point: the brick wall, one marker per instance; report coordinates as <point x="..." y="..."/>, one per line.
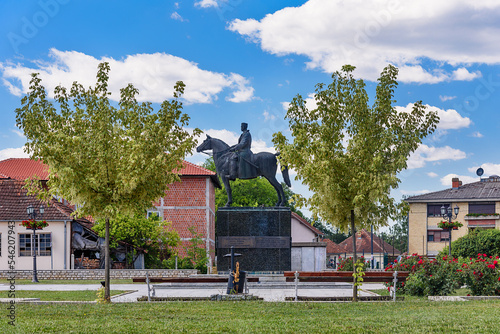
<point x="191" y="202"/>
<point x="98" y="274"/>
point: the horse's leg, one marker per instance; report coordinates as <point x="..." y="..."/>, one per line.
<point x="229" y="193"/>
<point x="279" y="189"/>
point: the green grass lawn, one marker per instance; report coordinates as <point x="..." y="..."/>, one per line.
<point x="60" y="281"/>
<point x="417" y="316"/>
<point x="85" y="295"/>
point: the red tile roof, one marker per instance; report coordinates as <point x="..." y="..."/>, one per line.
<point x="192" y="169"/>
<point x="364" y="244"/>
<point x="306" y="224"/>
<point x="14" y="201"/>
<point x="23" y="168"/>
<point x="332" y="247"/>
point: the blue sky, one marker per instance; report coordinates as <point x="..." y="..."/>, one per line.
<point x="243" y="61"/>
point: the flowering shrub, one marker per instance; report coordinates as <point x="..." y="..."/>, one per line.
<point x="482" y="275"/>
<point x="447" y="225"/>
<point x="443" y="275"/>
<point x="427" y="277"/>
<point x="347" y="265"/>
<point x="33" y="224"/>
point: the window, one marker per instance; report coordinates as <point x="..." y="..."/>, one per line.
<point x="484" y="207"/>
<point x="43" y="244"/>
<point x="153" y="212"/>
<point x="434" y="210"/>
<point x="438" y="236"/>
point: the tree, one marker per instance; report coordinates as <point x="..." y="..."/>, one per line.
<point x="106" y="159"/>
<point x="148" y="236"/>
<point x="349" y="153"/>
<point x="397" y="235"/>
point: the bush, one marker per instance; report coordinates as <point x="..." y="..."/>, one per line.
<point x="482" y="275"/>
<point x="477" y="242"/>
<point x="435" y="277"/>
<point x="346" y="264"/>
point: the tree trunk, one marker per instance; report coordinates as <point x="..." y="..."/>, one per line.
<point x="107" y="259"/>
<point x="354" y="258"/>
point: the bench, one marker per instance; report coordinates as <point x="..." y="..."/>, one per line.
<point x="345" y="276"/>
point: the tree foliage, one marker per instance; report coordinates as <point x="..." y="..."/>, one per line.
<point x="106" y="159"/>
<point x="349" y="153"/>
<point x="397" y="235"/>
<point x="149" y="236"/>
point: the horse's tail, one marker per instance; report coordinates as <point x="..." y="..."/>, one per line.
<point x="284" y="172"/>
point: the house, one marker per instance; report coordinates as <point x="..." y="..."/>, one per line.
<point x="190" y="202"/>
<point x="478" y="204"/>
<point x="54" y="244"/>
<point x="383" y="252"/>
<point x="308" y="251"/>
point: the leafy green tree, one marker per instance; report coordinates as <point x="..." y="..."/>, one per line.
<point x="149" y="236"/>
<point x="397" y="235"/>
<point x="348" y="153"/>
<point x="334" y="234"/>
<point x="106" y="159"/>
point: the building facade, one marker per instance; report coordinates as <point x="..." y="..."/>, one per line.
<point x="478" y="203"/>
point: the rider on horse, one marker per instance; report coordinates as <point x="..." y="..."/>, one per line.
<point x="240" y="161"/>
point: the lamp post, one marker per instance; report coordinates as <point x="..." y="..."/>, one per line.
<point x="448" y="214"/>
<point x="33" y="214"/>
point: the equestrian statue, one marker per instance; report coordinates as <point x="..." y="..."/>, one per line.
<point x="238" y="162"/>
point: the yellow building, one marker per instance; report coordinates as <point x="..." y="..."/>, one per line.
<point x="478" y="204"/>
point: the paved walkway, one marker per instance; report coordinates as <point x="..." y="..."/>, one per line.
<point x="140" y="290"/>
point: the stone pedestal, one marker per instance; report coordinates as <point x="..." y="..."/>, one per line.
<point x="261" y="235"/>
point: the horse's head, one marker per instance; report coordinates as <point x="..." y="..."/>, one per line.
<point x="206" y="145"/>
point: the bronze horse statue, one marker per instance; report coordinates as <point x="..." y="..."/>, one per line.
<point x="265" y="164"/>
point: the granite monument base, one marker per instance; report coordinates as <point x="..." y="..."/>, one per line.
<point x="261" y="235"/>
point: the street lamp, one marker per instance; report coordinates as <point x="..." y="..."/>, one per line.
<point x="31" y="211"/>
<point x="447" y="214"/>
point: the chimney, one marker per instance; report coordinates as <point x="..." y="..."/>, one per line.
<point x="455" y="183"/>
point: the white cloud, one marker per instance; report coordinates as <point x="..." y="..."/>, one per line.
<point x="371" y="34"/>
<point x="153" y="74"/>
<point x="446" y="180"/>
<point x="19" y="133"/>
<point x="464" y="75"/>
<point x="449" y="119"/>
<point x="477" y="134"/>
<point x="432" y="174"/>
<point x="445" y="98"/>
<point x="424" y="154"/>
<point x="206" y="3"/>
<point x="268" y="116"/>
<point x="177" y="16"/>
<point x="8" y="153"/>
<point x="309" y="100"/>
<point x="244" y="92"/>
<point x="489" y="169"/>
<point x="414" y="192"/>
